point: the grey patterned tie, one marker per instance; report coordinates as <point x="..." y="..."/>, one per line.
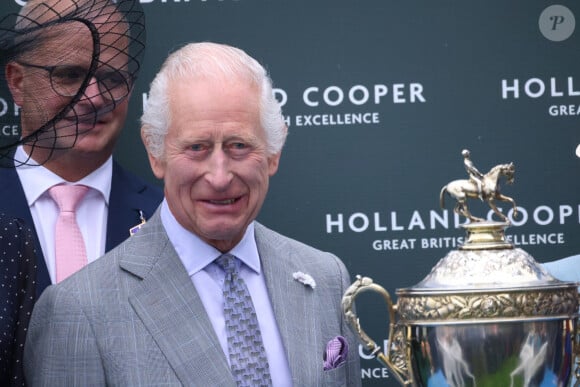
<point x="247" y="355"/>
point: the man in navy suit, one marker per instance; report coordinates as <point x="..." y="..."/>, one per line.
<point x="71" y="73"/>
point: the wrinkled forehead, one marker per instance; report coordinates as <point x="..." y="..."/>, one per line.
<point x="44" y="12"/>
<point x="52" y="34"/>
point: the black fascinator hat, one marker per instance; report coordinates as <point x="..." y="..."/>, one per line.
<point x="64" y="64"/>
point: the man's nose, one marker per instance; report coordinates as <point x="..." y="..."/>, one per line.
<point x="93" y="92"/>
<point x="219" y="174"/>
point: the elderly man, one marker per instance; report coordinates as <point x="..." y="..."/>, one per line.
<point x="71" y="70"/>
<point x="203" y="295"/>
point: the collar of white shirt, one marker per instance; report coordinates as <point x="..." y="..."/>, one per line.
<point x="197" y="254"/>
<point x="36" y="179"/>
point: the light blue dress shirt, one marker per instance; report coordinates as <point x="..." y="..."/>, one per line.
<point x="208" y="278"/>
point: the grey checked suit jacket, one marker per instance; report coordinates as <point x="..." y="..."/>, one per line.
<point x="134" y="318"/>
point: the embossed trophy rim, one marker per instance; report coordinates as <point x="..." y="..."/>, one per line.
<point x="490" y="304"/>
<point x="490" y="320"/>
<point x="420" y="291"/>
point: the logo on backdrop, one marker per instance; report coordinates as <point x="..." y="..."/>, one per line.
<point x="555" y="88"/>
<point x="356" y="104"/>
<point x="338" y="105"/>
<point x="9" y="123"/>
<point x="417" y="222"/>
<point x="373" y="372"/>
<point x="557" y="23"/>
<point x="538" y="87"/>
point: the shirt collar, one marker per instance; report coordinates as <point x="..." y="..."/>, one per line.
<point x="197" y="254"/>
<point x="37" y="179"/>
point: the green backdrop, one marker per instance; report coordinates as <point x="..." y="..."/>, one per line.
<point x="381" y="97"/>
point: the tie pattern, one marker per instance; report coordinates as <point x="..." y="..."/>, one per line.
<point x="247" y="355"/>
<point x="70" y="250"/>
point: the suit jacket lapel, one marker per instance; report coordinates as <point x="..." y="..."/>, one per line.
<point x="168" y="305"/>
<point x="294" y="307"/>
<point x="125" y="202"/>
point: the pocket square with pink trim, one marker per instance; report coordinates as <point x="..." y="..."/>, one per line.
<point x="335" y="354"/>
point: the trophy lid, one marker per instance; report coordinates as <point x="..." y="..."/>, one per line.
<point x="487" y="261"/>
<point x="487" y="277"/>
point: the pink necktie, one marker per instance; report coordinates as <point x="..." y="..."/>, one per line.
<point x="70" y="250"/>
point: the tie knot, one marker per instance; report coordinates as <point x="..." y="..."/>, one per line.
<point x="67" y="197"/>
<point x="229" y="263"/>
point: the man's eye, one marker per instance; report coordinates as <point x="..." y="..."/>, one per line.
<point x="69" y="74"/>
<point x="238" y="149"/>
<point x="197" y="147"/>
<point x="115" y="78"/>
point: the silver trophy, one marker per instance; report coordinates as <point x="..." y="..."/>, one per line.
<point x="486" y="315"/>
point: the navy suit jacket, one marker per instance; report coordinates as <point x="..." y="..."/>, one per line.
<point x="129" y="195"/>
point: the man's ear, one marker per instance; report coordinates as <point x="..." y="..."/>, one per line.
<point x="157" y="164"/>
<point x="15" y="79"/>
<point x="273" y="162"/>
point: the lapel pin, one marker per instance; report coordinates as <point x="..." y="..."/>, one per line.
<point x="133" y="230"/>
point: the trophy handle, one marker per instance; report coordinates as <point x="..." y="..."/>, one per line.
<point x="398" y="367"/>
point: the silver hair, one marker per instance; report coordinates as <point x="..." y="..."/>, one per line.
<point x="207" y="59"/>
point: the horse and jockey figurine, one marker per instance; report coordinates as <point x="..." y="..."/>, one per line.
<point x="484" y="187"/>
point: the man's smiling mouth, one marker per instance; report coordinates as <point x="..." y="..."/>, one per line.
<point x="223" y="202"/>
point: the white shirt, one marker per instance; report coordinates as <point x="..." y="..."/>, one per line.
<point x="91" y="212"/>
<point x="208" y="278"/>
